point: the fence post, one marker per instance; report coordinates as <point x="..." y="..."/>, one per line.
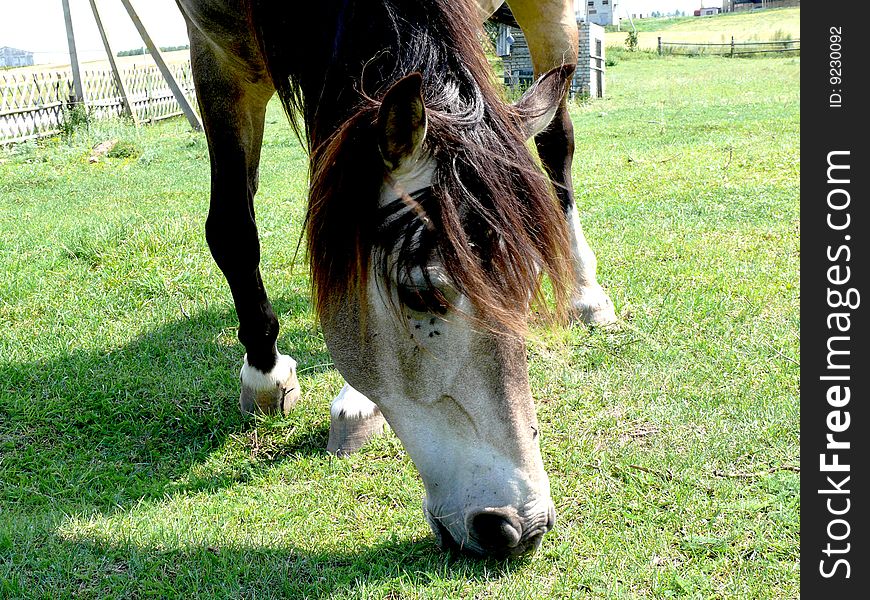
<point x="78" y="88"/>
<point x="126" y="106"/>
<point x="149" y="105"/>
<point x="194" y="121"/>
<point x="732" y="46"/>
<point x="660" y="45"/>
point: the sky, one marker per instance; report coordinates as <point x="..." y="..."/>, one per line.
<point x="38" y="25"/>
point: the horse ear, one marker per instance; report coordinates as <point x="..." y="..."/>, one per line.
<point x="402" y="121"/>
<point x="539" y="104"/>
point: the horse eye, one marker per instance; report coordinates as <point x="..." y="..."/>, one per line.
<point x="423" y="300"/>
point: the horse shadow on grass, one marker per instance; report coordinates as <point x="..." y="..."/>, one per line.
<point x="100" y="432"/>
<point x="104" y="428"/>
<point x="99" y="569"/>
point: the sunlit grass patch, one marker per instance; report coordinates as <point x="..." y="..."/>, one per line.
<point x="671" y="441"/>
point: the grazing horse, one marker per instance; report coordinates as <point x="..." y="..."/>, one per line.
<point x="428" y="228"/>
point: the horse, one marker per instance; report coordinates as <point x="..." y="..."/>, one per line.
<point x="429" y="226"/>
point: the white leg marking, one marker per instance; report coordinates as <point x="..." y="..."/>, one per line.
<point x="591" y="302"/>
<point x="350" y="404"/>
<point x="255" y="379"/>
<point x="584" y="259"/>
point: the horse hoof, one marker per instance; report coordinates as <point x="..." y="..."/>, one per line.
<point x="594" y="307"/>
<point x="349" y="434"/>
<point x="281" y="399"/>
<point x="270" y="394"/>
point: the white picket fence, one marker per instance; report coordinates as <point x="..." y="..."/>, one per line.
<point x="36" y="104"/>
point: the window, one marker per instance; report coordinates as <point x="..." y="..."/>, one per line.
<point x="591" y="3"/>
<point x="605" y="2"/>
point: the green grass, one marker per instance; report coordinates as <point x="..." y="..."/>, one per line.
<point x="751" y="21"/>
<point x="126" y="470"/>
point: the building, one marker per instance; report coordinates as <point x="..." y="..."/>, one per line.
<point x="13" y="57"/>
<point x="588" y="78"/>
<point x="608" y="12"/>
<point x="602" y="12"/>
<point x="707" y="12"/>
<point x="738" y="5"/>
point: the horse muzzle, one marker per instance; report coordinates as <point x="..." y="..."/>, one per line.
<point x="492" y="533"/>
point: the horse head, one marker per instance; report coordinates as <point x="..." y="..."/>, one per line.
<point x="433" y="332"/>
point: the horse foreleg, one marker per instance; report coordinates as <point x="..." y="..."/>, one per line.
<point x="233" y="114"/>
<point x="550" y="28"/>
<point x="590" y="302"/>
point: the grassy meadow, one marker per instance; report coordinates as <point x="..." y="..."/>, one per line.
<point x="672" y="443"/>
<point x="745" y="26"/>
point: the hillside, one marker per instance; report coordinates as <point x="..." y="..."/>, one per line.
<point x="782" y="23"/>
<point x="124" y="62"/>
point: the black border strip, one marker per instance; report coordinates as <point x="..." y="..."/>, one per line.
<point x="835" y="343"/>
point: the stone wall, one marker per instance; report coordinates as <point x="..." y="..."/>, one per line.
<point x="589" y="79"/>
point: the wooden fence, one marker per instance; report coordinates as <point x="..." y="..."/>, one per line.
<point x="37" y="104"/>
<point x="729" y="49"/>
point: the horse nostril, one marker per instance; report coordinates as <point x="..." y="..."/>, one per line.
<point x="551" y="517"/>
<point x="494" y="531"/>
<point x="532" y="543"/>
